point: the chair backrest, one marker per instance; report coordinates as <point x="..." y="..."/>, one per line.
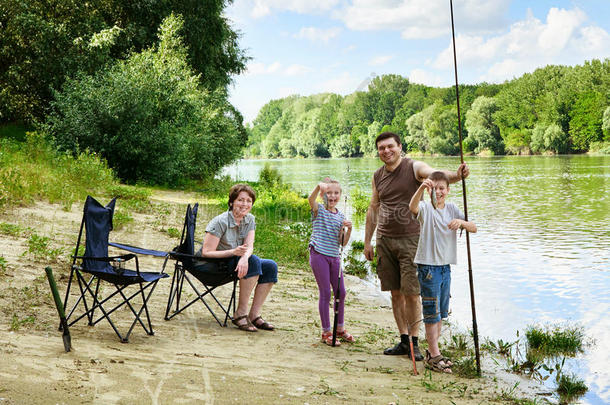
<point x="98" y="224"/>
<point x="187" y="241"/>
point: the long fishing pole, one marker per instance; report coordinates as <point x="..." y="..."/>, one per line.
<point x="337" y="293"/>
<point x="475" y="330"/>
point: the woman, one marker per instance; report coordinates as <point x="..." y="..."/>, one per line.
<point x="230" y="235"/>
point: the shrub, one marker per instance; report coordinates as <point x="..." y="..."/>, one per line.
<point x="149" y="117"/>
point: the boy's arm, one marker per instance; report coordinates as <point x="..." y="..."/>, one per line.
<point x="456" y="224"/>
<point x="414" y="203"/>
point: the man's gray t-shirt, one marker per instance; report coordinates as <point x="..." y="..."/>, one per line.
<point x="437" y="243"/>
<point x="230" y="234"/>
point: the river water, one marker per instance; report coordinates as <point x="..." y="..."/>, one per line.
<point x="542" y="252"/>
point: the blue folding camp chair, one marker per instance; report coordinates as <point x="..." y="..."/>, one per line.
<point x="98" y="266"/>
<point x="224" y="273"/>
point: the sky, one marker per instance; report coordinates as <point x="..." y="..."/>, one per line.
<point x="306" y="47"/>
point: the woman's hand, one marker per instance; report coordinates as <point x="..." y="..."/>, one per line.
<point x="242" y="267"/>
<point x="240" y="250"/>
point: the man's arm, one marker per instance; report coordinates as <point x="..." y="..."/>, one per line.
<point x="423" y="170"/>
<point x="371" y="223"/>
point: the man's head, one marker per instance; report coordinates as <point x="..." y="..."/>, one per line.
<point x="389" y="147"/>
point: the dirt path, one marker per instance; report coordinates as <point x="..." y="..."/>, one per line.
<point x="191" y="359"/>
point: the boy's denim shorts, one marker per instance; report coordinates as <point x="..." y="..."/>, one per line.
<point x="435" y="284"/>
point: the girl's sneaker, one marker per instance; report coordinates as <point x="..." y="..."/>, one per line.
<point x="327" y="337"/>
<point x="345" y="336"/>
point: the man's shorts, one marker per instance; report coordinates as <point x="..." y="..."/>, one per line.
<point x="395" y="267"/>
<point x="435" y="282"/>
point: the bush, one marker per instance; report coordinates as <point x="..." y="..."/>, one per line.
<point x="149" y="117"/>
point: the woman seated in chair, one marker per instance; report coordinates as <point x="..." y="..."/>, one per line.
<point x="230" y="235"/>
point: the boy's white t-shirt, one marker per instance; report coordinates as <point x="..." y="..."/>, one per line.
<point x="437" y="243"/>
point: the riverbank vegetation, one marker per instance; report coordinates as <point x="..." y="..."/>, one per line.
<point x="555" y="109"/>
<point x="144" y="87"/>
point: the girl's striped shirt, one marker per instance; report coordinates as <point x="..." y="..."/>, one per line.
<point x="326" y="230"/>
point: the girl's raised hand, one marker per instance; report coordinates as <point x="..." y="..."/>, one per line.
<point x="347" y="224"/>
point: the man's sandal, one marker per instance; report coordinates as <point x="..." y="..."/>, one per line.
<point x="260" y="323"/>
<point x="246" y="325"/>
<point x="327" y="337"/>
<point x="345" y="336"/>
<point x="437" y="363"/>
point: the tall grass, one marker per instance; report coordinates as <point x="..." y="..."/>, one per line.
<point x="33" y="170"/>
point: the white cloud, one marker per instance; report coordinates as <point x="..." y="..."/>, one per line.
<point x="561" y="39"/>
<point x="380" y="60"/>
<point x="318" y="34"/>
<point x="425" y="77"/>
<point x="417" y="19"/>
<point x="261" y="8"/>
<point x="296" y="70"/>
<point x="344" y="83"/>
<point x="257" y="68"/>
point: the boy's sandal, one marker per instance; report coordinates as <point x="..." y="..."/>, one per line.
<point x="245" y="326"/>
<point x="436" y="363"/>
<point x="448" y="361"/>
<point x="345" y="336"/>
<point x="260" y="323"/>
<point x="327" y="338"/>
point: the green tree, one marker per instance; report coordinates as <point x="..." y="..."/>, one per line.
<point x="482" y="127"/>
<point x="606" y="124"/>
<point x="149" y="116"/>
<point x="586" y="119"/>
<point x="43" y="42"/>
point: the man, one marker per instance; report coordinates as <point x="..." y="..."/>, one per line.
<point x="397" y="234"/>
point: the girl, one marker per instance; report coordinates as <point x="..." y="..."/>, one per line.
<point x="329" y="230"/>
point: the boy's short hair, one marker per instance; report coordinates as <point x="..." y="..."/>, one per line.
<point x="238" y="188"/>
<point x="386" y="135"/>
<point x="439" y="176"/>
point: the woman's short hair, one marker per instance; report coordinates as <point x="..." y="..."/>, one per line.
<point x="238" y="188"/>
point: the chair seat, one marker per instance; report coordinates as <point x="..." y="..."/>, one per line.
<point x="128" y="277"/>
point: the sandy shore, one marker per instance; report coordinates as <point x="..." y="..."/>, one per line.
<point x="191" y="359"/>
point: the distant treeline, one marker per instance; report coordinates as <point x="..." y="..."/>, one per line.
<point x="555" y="109"/>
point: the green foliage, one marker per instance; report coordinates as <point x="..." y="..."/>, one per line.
<point x="606" y="124"/>
<point x="173" y="233"/>
<point x="586" y="119"/>
<point x="570" y="387"/>
<point x="120" y="219"/>
<point x="360" y="201"/>
<point x="149" y="116"/>
<point x="39" y="248"/>
<point x="554" y="340"/>
<point x="355" y="265"/>
<point x="482" y="127"/>
<point x="10" y="229"/>
<point x="45" y="42"/>
<point x="35" y="170"/>
<point x="3" y="264"/>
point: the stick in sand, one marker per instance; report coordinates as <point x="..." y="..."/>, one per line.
<point x="60" y="309"/>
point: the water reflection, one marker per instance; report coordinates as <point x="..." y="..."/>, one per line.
<point x="542" y="253"/>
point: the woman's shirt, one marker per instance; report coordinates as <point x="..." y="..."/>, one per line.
<point x="326" y="229"/>
<point x="230" y="234"/>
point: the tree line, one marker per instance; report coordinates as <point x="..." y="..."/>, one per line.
<point x="143" y="84"/>
<point x="555" y="109"/>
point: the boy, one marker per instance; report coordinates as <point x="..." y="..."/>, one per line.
<point x="436" y="250"/>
